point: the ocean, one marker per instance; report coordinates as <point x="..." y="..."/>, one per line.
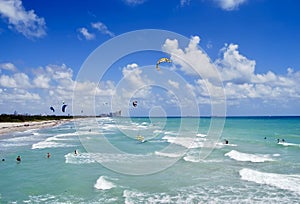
<point x="179" y="161"/>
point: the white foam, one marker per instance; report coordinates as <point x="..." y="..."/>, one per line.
<point x="82" y="158"/>
<point x="171" y="155"/>
<point x="201" y="135"/>
<point x="87" y="158"/>
<point x="187" y="142"/>
<point x="171" y="133"/>
<point x="191" y="158"/>
<point x="286" y="144"/>
<point x="49" y="144"/>
<point x="282" y="181"/>
<point x="103" y="184"/>
<point x="219" y="144"/>
<point x="240" y="156"/>
<point x="157" y="131"/>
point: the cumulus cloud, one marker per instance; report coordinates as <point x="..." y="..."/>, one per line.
<point x="18" y="80"/>
<point x="238" y="73"/>
<point x="102" y="28"/>
<point x="24" y="22"/>
<point x="86" y="34"/>
<point x="241" y="81"/>
<point x="229" y="5"/>
<point x="234" y="66"/>
<point x="8" y="66"/>
<point x="192" y="60"/>
<point x="173" y="83"/>
<point x="41" y="81"/>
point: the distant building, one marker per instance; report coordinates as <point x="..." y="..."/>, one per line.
<point x="114" y="114"/>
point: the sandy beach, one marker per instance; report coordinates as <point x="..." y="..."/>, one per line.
<point x="9" y="127"/>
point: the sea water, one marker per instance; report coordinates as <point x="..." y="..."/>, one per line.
<point x="111" y="165"/>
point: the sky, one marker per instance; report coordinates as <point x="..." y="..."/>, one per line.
<point x="241" y="56"/>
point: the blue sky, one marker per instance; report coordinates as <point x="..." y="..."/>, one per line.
<point x="253" y="45"/>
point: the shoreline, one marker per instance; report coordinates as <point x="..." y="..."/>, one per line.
<point x="10" y="127"/>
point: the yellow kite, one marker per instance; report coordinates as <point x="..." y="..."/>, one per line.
<point x="162" y="60"/>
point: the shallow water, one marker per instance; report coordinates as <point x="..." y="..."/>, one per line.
<point x="113" y="167"/>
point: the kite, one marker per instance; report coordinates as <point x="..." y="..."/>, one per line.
<point x="51" y="108"/>
<point x="134" y="103"/>
<point x="162" y="60"/>
<point x="63" y="108"/>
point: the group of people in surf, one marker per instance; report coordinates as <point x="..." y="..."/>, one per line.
<point x="18" y="159"/>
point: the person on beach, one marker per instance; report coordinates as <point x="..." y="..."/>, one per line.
<point x="48" y="155"/>
<point x="18" y="159"/>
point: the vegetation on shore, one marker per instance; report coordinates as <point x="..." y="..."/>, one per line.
<point x="27" y="118"/>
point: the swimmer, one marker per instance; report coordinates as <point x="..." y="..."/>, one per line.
<point x="75" y="152"/>
<point x="48" y="155"/>
<point x="18" y="159"/>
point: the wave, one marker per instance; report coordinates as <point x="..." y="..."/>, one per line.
<point x="170" y="133"/>
<point x="82" y="158"/>
<point x="218" y="194"/>
<point x="219" y="144"/>
<point x="240" y="156"/>
<point x="87" y="158"/>
<point x="187" y="142"/>
<point x="49" y="144"/>
<point x="282" y="181"/>
<point x="286" y="144"/>
<point x="102" y="183"/>
<point x="171" y="155"/>
<point x="201" y="135"/>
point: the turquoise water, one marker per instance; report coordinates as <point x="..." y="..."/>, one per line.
<point x="113" y="167"/>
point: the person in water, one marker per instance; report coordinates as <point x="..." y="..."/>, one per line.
<point x="48" y="155"/>
<point x="18" y="159"/>
<point x="75" y="152"/>
<point x="226" y="142"/>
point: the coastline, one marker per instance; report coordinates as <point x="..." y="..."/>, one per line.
<point x="10" y="127"/>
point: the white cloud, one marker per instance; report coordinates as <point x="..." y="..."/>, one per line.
<point x="134" y="2"/>
<point x="132" y="74"/>
<point x="184" y="2"/>
<point x="173" y="83"/>
<point x="192" y="60"/>
<point x="240" y="82"/>
<point x="8" y="66"/>
<point x="25" y="22"/>
<point x="7" y="81"/>
<point x="229" y="5"/>
<point x="41" y="81"/>
<point x="18" y="80"/>
<point x="102" y="28"/>
<point x="22" y="80"/>
<point x="234" y="66"/>
<point x="86" y="34"/>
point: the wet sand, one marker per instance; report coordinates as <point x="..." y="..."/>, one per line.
<point x="9" y="127"/>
